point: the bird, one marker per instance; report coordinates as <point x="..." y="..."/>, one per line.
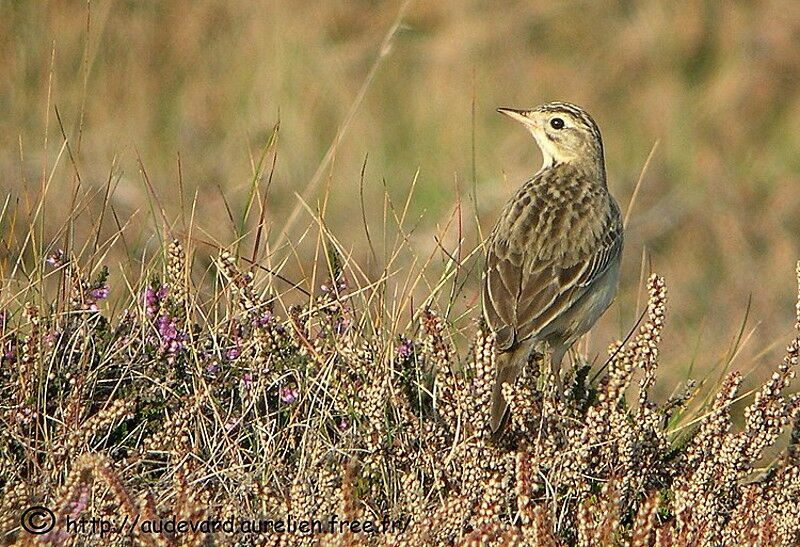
<point x="553" y="257"/>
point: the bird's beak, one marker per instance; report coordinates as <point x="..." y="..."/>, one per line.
<point x="522" y="116"/>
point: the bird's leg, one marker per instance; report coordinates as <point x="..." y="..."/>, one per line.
<point x="536" y="364"/>
<point x="555" y="367"/>
<point x="556" y="373"/>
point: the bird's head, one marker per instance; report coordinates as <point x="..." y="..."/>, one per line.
<point x="564" y="132"/>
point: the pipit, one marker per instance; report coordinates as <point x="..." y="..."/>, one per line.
<point x="553" y="258"/>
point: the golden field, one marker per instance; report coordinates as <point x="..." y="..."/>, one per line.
<point x="313" y="139"/>
<point x="206" y="82"/>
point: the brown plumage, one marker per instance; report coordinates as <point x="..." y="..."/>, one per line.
<point x="552" y="262"/>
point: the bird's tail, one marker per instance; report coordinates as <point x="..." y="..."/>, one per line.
<point x="509" y="364"/>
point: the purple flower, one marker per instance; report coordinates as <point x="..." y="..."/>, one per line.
<point x="343" y="425"/>
<point x="212" y="367"/>
<point x="9" y="355"/>
<point x="154" y="297"/>
<point x="167" y="328"/>
<point x="233" y="353"/>
<point x="150" y="301"/>
<point x="247" y="380"/>
<point x="263" y="320"/>
<point x="171" y="339"/>
<point x="289" y="394"/>
<point x="99" y="293"/>
<point x="405" y="349"/>
<point x="93" y="295"/>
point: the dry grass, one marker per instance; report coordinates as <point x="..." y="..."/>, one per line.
<point x="234" y="405"/>
<point x="213" y="305"/>
<point x="208" y="80"/>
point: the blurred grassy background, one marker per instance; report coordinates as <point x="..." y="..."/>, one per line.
<point x="715" y="84"/>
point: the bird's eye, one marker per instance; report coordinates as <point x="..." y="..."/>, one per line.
<point x="557" y="123"/>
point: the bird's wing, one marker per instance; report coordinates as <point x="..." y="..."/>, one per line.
<point x="523" y="294"/>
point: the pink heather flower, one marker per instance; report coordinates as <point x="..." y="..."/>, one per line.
<point x="150" y="301"/>
<point x="405" y="349"/>
<point x="171" y="341"/>
<point x="289" y="394"/>
<point x="263" y="320"/>
<point x="154" y="297"/>
<point x="247" y="380"/>
<point x="233" y="353"/>
<point x="99" y="293"/>
<point x="167" y="328"/>
<point x="8" y="354"/>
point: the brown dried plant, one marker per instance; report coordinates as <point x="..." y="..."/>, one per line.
<point x="321" y="414"/>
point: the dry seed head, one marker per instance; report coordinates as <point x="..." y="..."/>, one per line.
<point x="644" y="525"/>
<point x="177" y="273"/>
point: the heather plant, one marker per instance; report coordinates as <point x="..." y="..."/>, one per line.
<point x="194" y="87"/>
<point x="240" y="403"/>
<point x="176" y="346"/>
